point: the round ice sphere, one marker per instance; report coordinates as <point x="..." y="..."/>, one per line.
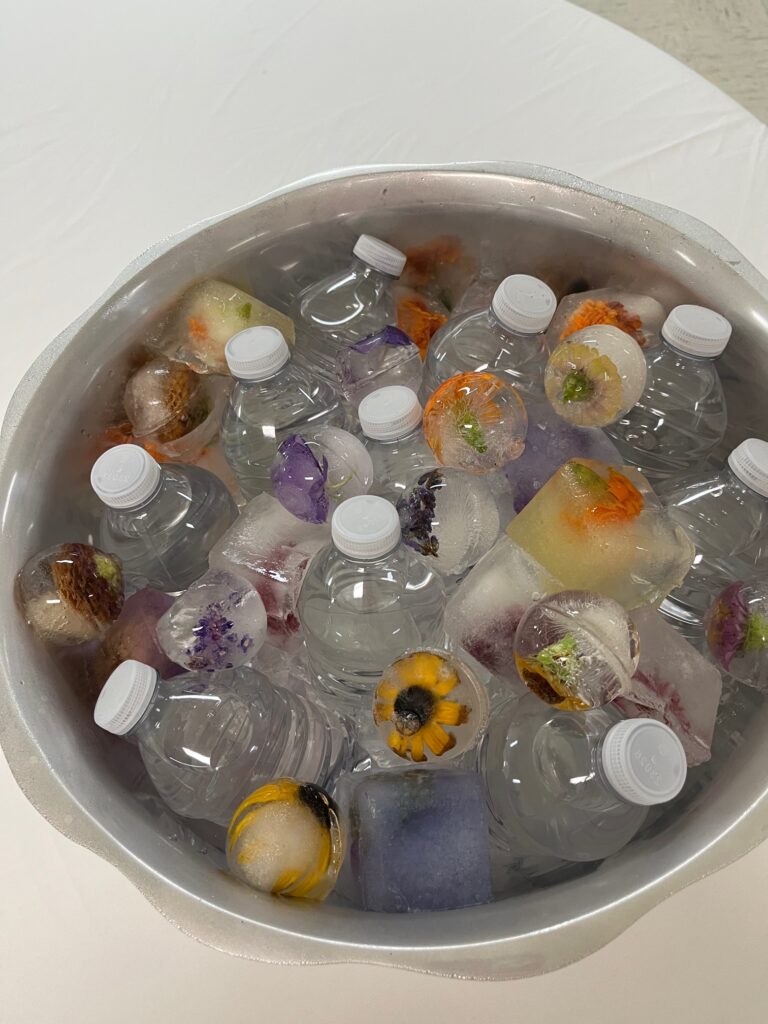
<point x="737" y="632"/>
<point x="165" y="400"/>
<point x="70" y="594"/>
<point x="451" y="517"/>
<point x="429" y="705"/>
<point x="219" y="622"/>
<point x="315" y="471"/>
<point x="596" y="376"/>
<point x="576" y="650"/>
<point x="476" y="422"/>
<point x="286" y="839"/>
<point x="389" y="357"/>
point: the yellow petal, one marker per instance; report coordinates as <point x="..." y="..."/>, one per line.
<point x="450" y="712"/>
<point x="437" y="739"/>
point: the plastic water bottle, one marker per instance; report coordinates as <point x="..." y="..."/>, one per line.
<point x="508" y="339"/>
<point x="390" y="420"/>
<point x="681" y="415"/>
<point x="574" y="786"/>
<point x="365" y="600"/>
<point x="724" y="515"/>
<point x="272" y="398"/>
<point x="209" y="739"/>
<point x="161" y="520"/>
<point x="348" y="306"/>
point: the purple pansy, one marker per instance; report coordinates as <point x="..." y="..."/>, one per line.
<point x="727" y="623"/>
<point x="387" y="336"/>
<point x="298" y="480"/>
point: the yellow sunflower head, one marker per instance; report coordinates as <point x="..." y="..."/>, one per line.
<point x="429" y="703"/>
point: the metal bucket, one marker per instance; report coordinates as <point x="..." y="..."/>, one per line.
<point x="511" y="218"/>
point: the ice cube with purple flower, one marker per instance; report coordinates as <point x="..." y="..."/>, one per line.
<point x="387" y="357"/>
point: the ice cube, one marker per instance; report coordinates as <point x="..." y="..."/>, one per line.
<point x="272" y="550"/>
<point x="674" y="684"/>
<point x="420" y="840"/>
<point x="133" y="636"/>
<point x="639" y="316"/>
<point x="389" y="357"/>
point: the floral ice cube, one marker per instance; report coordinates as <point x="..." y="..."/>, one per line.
<point x="389" y="357"/>
<point x="639" y="316"/>
<point x="132" y="636"/>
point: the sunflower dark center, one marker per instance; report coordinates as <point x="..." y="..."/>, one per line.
<point x="414" y="707"/>
<point x="318" y="803"/>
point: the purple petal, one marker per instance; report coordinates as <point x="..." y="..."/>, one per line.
<point x="727" y="624"/>
<point x="298" y="480"/>
<point x="387" y="336"/>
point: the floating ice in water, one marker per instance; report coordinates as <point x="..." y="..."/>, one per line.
<point x="674" y="684"/>
<point x="316" y="470"/>
<point x="272" y="549"/>
<point x="451" y="517"/>
<point x="639" y="316"/>
<point x="599" y="529"/>
<point x="219" y="622"/>
<point x="737" y="631"/>
<point x="132" y="636"/>
<point x="209" y="314"/>
<point x="389" y="357"/>
<point x="476" y="422"/>
<point x="595" y="377"/>
<point x="484" y="613"/>
<point x="71" y="593"/>
<point x="420" y="317"/>
<point x="285" y="838"/>
<point x="576" y="650"/>
<point x="430" y="705"/>
<point x="549" y="442"/>
<point x="419" y="840"/>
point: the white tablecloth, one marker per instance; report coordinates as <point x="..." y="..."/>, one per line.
<point x="123" y="123"/>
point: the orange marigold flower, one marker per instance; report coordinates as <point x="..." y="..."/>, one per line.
<point x="418" y="321"/>
<point x="607" y="501"/>
<point x="597" y="311"/>
<point x="423" y="260"/>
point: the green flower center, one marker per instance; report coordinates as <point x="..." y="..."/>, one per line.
<point x="561" y="659"/>
<point x="756" y="634"/>
<point x="468" y="426"/>
<point x="244" y="311"/>
<point x="577" y="386"/>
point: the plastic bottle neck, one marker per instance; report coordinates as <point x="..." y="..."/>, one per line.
<point x="156" y="702"/>
<point x="570" y="763"/>
<point x="679" y="354"/>
<point x="362" y="269"/>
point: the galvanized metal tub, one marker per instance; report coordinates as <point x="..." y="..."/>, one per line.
<point x="514" y="218"/>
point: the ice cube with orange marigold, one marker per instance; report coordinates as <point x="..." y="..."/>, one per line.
<point x="476" y="422"/>
<point x="596" y="527"/>
<point x="639" y="316"/>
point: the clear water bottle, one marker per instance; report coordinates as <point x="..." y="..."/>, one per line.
<point x="681" y="416"/>
<point x="724" y="515"/>
<point x="509" y="339"/>
<point x="161" y="520"/>
<point x="209" y="739"/>
<point x="348" y="306"/>
<point x="365" y="600"/>
<point x="272" y="398"/>
<point x="390" y="420"/>
<point x="574" y="786"/>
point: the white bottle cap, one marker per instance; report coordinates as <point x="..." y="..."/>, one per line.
<point x="125" y="697"/>
<point x="256" y="353"/>
<point x="524" y="304"/>
<point x="389" y="413"/>
<point x="125" y="476"/>
<point x="365" y="527"/>
<point x="380" y="255"/>
<point x="644" y="761"/>
<point x="749" y="461"/>
<point x="697" y="330"/>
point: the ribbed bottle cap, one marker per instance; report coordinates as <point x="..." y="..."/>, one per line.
<point x="749" y="461"/>
<point x="256" y="353"/>
<point x="525" y="304"/>
<point x="380" y="255"/>
<point x="644" y="761"/>
<point x="697" y="330"/>
<point x="125" y="476"/>
<point x="365" y="526"/>
<point x="389" y="413"/>
<point x="125" y="697"/>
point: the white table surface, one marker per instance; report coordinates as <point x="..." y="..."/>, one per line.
<point x="123" y="123"/>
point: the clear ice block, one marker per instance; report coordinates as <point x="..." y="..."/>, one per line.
<point x="419" y="840"/>
<point x="674" y="684"/>
<point x="737" y="631"/>
<point x="639" y="316"/>
<point x="389" y="357"/>
<point x="451" y="517"/>
<point x="71" y="594"/>
<point x="576" y="650"/>
<point x="133" y="636"/>
<point x="595" y="377"/>
<point x="475" y="422"/>
<point x="219" y="622"/>
<point x="272" y="549"/>
<point x="286" y="839"/>
<point x="483" y="614"/>
<point x="600" y="529"/>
